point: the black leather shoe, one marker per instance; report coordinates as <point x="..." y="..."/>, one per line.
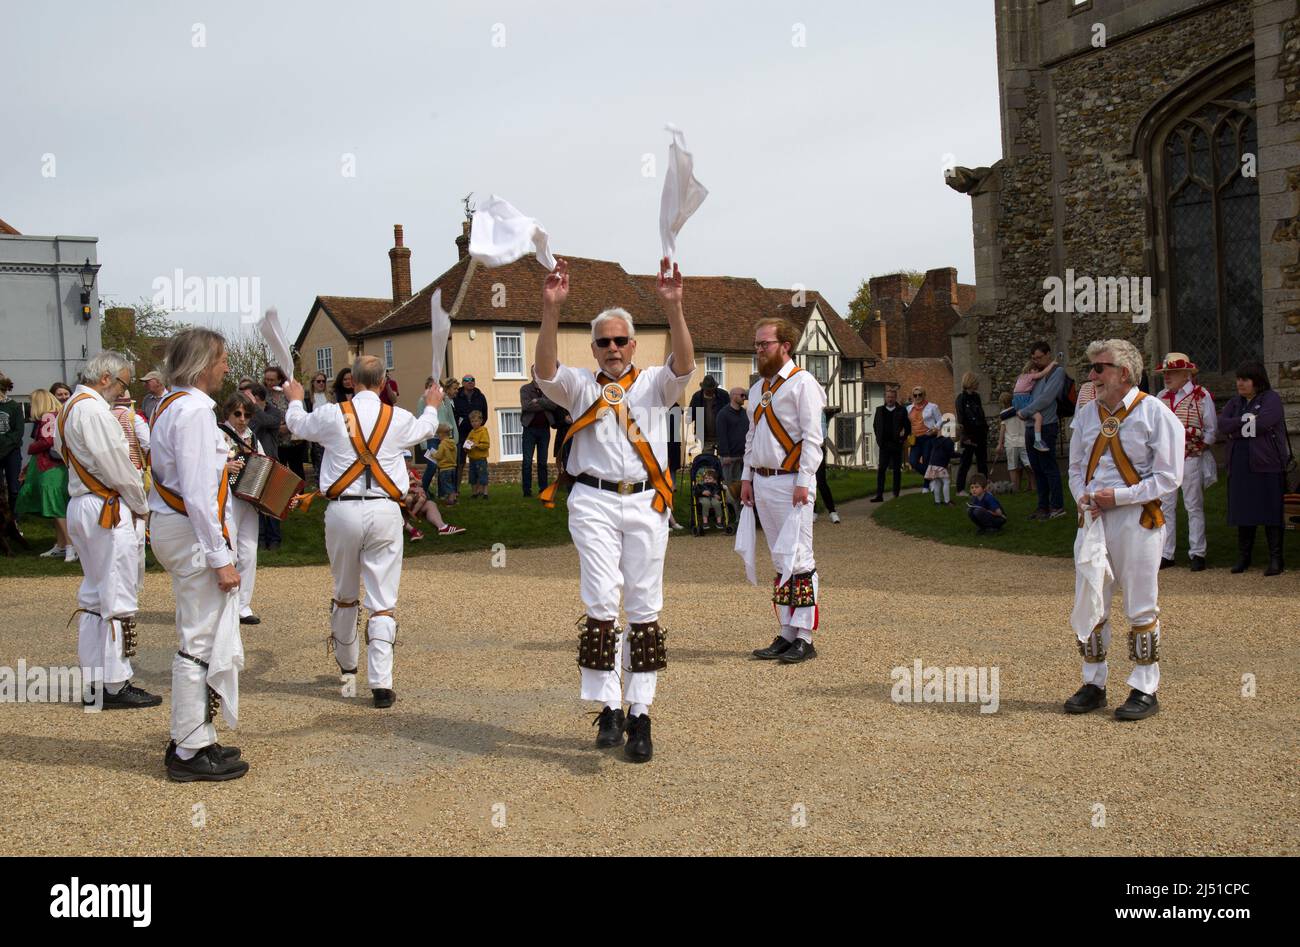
<point x="1166" y="564"/>
<point x="639" y="749"/>
<point x="206" y="766"/>
<point x="877" y="499"/>
<point x="384" y="697"/>
<point x="778" y="647"/>
<point x="130" y="698"/>
<point x="1138" y="706"/>
<point x="612" y="723"/>
<point x="798" y="651"/>
<point x="225" y="752"/>
<point x="1197" y="564"/>
<point x="1086" y="698"/>
<point x="249" y="620"/>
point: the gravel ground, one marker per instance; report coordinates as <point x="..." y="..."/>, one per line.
<point x="489" y="751"/>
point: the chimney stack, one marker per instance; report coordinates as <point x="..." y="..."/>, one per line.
<point x="462" y="242"/>
<point x="879" y="338"/>
<point x="399" y="260"/>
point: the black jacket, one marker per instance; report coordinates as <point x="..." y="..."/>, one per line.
<point x="697" y="408"/>
<point x="892" y="427"/>
<point x="464" y="404"/>
<point x="970" y="415"/>
<point x="265" y="423"/>
<point x="732" y="426"/>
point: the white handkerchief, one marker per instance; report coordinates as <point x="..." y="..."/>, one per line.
<point x="745" y="540"/>
<point x="1093" y="567"/>
<point x="276" y="341"/>
<point x="786" y="549"/>
<point x="500" y="234"/>
<point x="440" y="327"/>
<point x="683" y="194"/>
<point x="227" y="659"/>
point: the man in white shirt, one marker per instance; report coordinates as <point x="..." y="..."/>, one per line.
<point x="782" y="454"/>
<point x="1125" y="454"/>
<point x="364" y="475"/>
<point x="1193" y="406"/>
<point x="621" y="500"/>
<point x="106" y="519"/>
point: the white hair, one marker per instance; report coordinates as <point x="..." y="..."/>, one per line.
<point x="616" y="313"/>
<point x="105" y="363"/>
<point x="1122" y="352"/>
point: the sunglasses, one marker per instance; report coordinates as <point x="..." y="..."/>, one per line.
<point x="918" y="394"/>
<point x="239" y="414"/>
<point x="620" y="340"/>
<point x="1099" y="367"/>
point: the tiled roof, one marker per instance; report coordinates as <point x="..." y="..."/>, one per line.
<point x="932" y="374"/>
<point x="720" y="310"/>
<point x="851" y="344"/>
<point x="354" y="313"/>
<point x="6" y="229"/>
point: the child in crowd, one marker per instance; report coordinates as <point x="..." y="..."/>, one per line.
<point x="1024" y="394"/>
<point x="1011" y="440"/>
<point x="445" y="460"/>
<point x="420" y="508"/>
<point x="709" y="493"/>
<point x="936" y="475"/>
<point x="983" y="507"/>
<point x="477" y="443"/>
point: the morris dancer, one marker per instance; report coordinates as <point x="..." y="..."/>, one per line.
<point x="106" y="517"/>
<point x="363" y="440"/>
<point x="189" y="531"/>
<point x="784" y="450"/>
<point x="1194" y="408"/>
<point x="620" y="499"/>
<point x="1126" y="452"/>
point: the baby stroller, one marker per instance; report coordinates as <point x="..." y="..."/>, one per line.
<point x="707" y="483"/>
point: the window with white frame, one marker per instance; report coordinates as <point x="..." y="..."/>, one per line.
<point x="713" y="368"/>
<point x="325" y="360"/>
<point x="388" y="354"/>
<point x="511" y="430"/>
<point x="820" y="367"/>
<point x="508" y="347"/>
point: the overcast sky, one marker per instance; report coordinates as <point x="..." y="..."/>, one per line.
<point x="823" y="161"/>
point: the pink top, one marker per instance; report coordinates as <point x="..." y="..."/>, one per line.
<point x="1024" y="384"/>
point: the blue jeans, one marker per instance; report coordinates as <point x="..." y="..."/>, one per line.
<point x="430" y="468"/>
<point x="447" y="485"/>
<point x="919" y="457"/>
<point x="985" y="519"/>
<point x="1047" y="476"/>
<point x="535" y="439"/>
<point x="478" y="472"/>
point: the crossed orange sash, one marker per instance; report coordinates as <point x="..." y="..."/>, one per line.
<point x="111" y="514"/>
<point x="660" y="480"/>
<point x="793" y="449"/>
<point x="366" y="449"/>
<point x="175" y="500"/>
<point x="1108" y="439"/>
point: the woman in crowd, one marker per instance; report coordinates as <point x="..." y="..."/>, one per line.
<point x="342" y="386"/>
<point x="974" y="430"/>
<point x="447" y="416"/>
<point x="61" y="391"/>
<point x="319" y="394"/>
<point x="1255" y="426"/>
<point x="45" y="482"/>
<point x="241" y="441"/>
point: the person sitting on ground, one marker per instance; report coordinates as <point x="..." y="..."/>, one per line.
<point x="983" y="507"/>
<point x="477" y="443"/>
<point x="942" y="449"/>
<point x="420" y="507"/>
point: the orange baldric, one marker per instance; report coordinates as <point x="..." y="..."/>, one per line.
<point x="660" y="480"/>
<point x="1108" y="439"/>
<point x="175" y="500"/>
<point x="111" y="514"/>
<point x="366" y="449"/>
<point x="793" y="449"/>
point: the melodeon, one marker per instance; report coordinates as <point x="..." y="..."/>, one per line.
<point x="267" y="485"/>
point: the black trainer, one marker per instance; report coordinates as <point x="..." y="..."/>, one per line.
<point x="130" y="697"/>
<point x="639" y="749"/>
<point x="798" y="651"/>
<point x="778" y="647"/>
<point x="1197" y="564"/>
<point x="384" y="697"/>
<point x="1167" y="563"/>
<point x="1139" y="706"/>
<point x="206" y="766"/>
<point x="1086" y="698"/>
<point x="612" y="723"/>
<point x="225" y="752"/>
<point x="249" y="620"/>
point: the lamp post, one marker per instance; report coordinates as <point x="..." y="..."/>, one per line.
<point x="87" y="283"/>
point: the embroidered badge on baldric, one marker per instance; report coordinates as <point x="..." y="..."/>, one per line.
<point x="766" y="399"/>
<point x="612" y="393"/>
<point x="1110" y="427"/>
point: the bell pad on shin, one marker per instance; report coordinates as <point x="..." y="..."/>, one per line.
<point x="129" y="637"/>
<point x="797" y="593"/>
<point x="1093" y="648"/>
<point x="1144" y="644"/>
<point x="645" y="647"/>
<point x="214" y="705"/>
<point x="596" y="644"/>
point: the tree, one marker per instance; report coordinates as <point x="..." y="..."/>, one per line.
<point x="138" y="336"/>
<point x="862" y="309"/>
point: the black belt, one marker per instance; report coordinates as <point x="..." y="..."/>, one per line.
<point x="772" y="471"/>
<point x="615" y="486"/>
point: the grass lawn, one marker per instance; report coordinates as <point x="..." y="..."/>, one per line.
<point x="917" y="515"/>
<point x="507" y="518"/>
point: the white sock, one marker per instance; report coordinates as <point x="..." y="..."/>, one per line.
<point x="787" y="633"/>
<point x="637" y="710"/>
<point x="184" y="753"/>
<point x="114" y="688"/>
<point x="614" y="704"/>
<point x="805" y="635"/>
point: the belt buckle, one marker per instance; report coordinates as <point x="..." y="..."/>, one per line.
<point x="625" y="487"/>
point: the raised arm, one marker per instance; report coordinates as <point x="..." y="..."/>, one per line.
<point x="554" y="292"/>
<point x="670" y="295"/>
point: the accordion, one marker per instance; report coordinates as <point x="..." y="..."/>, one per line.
<point x="267" y="485"/>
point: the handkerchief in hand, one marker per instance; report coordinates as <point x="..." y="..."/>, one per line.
<point x="746" y="536"/>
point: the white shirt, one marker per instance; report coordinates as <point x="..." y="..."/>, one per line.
<point x="1209" y="419"/>
<point x="798" y="405"/>
<point x="96" y="439"/>
<point x="188" y="455"/>
<point x="325" y="425"/>
<point x="1152" y="438"/>
<point x="931" y="417"/>
<point x="602" y="449"/>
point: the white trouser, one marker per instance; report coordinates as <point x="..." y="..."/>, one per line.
<point x="204" y="619"/>
<point x="773" y="502"/>
<point x="1193" y="501"/>
<point x="109" y="562"/>
<point x="621" y="542"/>
<point x="1134" y="553"/>
<point x="244" y="537"/>
<point x="364" y="541"/>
